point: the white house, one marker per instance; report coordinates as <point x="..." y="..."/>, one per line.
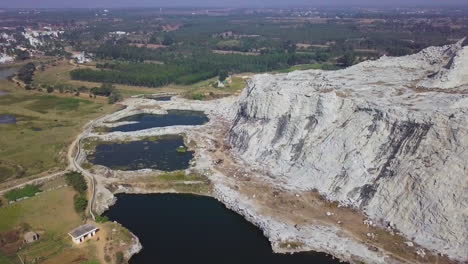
<point x="83" y="232"/>
<point x="81" y="57"/>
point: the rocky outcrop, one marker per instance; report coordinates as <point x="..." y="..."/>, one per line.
<point x="389" y="137"/>
<point x="454" y="73"/>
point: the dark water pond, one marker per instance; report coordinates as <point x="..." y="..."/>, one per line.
<point x="7" y="119"/>
<point x="160" y="154"/>
<point x="5" y="72"/>
<point x="181" y="229"/>
<point x="172" y="118"/>
<point x="162" y="98"/>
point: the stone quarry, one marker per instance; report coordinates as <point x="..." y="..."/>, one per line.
<point x="366" y="163"/>
<point x="388" y="137"/>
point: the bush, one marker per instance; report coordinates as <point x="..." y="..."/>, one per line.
<point x="119" y="258"/>
<point x="114" y="97"/>
<point x="106" y="89"/>
<point x="50" y="89"/>
<point x="80" y="203"/>
<point x="27" y="191"/>
<point x="101" y="219"/>
<point x="223" y="75"/>
<point x="26" y="72"/>
<point x="181" y="149"/>
<point x="347" y="59"/>
<point x="198" y="96"/>
<point x="77" y="181"/>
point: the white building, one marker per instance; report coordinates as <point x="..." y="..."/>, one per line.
<point x="118" y="33"/>
<point x="81" y="57"/>
<point x="82" y="233"/>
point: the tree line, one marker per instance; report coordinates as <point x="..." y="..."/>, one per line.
<point x="77" y="181"/>
<point x="186" y="69"/>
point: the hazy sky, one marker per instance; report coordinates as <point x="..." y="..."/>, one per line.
<point x="216" y="3"/>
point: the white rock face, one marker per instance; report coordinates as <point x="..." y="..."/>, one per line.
<point x="389" y="137"/>
<point x="4" y="58"/>
<point x="454" y="73"/>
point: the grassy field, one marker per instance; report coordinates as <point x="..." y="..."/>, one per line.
<point x="42" y="213"/>
<point x="204" y="90"/>
<point x="51" y="214"/>
<point x="314" y="66"/>
<point x="45" y="126"/>
<point x="59" y="74"/>
<point x="26" y="191"/>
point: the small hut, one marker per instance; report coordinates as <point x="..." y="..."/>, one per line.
<point x="30" y="237"/>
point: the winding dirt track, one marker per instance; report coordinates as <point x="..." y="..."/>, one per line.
<point x="73" y="165"/>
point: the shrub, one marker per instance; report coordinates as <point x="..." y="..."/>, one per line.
<point x="50" y="89"/>
<point x="77" y="181"/>
<point x="223" y="75"/>
<point x="181" y="149"/>
<point x="114" y="97"/>
<point x="80" y="203"/>
<point x="101" y="219"/>
<point x="27" y="191"/>
<point x="198" y="96"/>
<point x="26" y="72"/>
<point x="119" y="258"/>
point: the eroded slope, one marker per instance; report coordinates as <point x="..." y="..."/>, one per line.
<point x="388" y="137"/>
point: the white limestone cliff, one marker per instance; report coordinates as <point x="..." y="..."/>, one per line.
<point x="389" y="137"/>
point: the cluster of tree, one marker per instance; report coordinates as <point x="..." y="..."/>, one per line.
<point x="27" y="191"/>
<point x="61" y="88"/>
<point x="189" y="69"/>
<point x="77" y="181"/>
<point x="22" y="54"/>
<point x="26" y="73"/>
<point x="119" y="257"/>
<point x="108" y="90"/>
<point x="128" y="53"/>
<point x="347" y="59"/>
<point x="222" y="75"/>
<point x="114" y="97"/>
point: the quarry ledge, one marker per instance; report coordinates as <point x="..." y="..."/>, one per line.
<point x="246" y="191"/>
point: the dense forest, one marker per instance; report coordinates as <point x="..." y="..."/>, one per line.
<point x="180" y="69"/>
<point x="154" y="49"/>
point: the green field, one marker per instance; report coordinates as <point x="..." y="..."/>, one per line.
<point x="60" y="75"/>
<point x="51" y="214"/>
<point x="314" y="66"/>
<point x="26" y="191"/>
<point x="45" y="126"/>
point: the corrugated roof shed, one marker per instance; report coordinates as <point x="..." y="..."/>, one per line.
<point x="82" y="230"/>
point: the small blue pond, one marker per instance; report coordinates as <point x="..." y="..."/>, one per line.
<point x="160" y="154"/>
<point x="162" y="98"/>
<point x="6" y="72"/>
<point x="172" y="118"/>
<point x="7" y="119"/>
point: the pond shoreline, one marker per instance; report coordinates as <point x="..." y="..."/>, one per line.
<point x="228" y="233"/>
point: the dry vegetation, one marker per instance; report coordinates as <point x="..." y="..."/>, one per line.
<point x="45" y="126"/>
